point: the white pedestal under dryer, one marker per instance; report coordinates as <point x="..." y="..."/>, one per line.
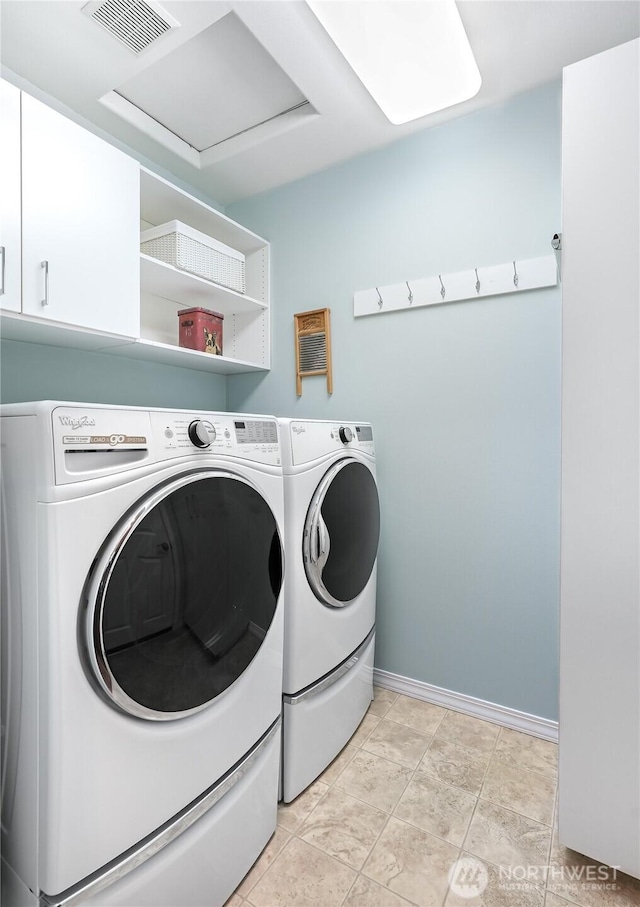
<point x="142" y="633"/>
<point x="332" y="526"/>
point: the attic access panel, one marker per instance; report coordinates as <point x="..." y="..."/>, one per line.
<point x="217" y="85"/>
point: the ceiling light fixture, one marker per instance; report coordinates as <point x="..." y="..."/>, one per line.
<point x="412" y="56"/>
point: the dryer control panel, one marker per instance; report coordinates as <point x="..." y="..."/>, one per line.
<point x="311" y="440"/>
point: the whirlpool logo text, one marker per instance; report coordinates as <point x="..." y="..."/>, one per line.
<point x="76" y="422"/>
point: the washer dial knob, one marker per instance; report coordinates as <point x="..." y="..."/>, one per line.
<point x="201" y="433"/>
<point x="346" y="435"/>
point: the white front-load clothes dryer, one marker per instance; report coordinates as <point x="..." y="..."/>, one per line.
<point x="142" y="653"/>
<point x="332" y="526"/>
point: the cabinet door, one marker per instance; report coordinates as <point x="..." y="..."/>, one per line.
<point x="9" y="197"/>
<point x="599" y="789"/>
<point x="80" y="225"/>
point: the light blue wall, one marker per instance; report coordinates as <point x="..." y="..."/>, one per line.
<point x="29" y="371"/>
<point x="465" y="397"/>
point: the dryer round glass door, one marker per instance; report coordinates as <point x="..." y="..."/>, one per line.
<point x="182" y="595"/>
<point x="341" y="533"/>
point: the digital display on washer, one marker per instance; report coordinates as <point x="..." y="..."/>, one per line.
<point x="364" y="432"/>
<point x="256" y="432"/>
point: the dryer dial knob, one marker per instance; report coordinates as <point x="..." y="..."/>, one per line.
<point x="201" y="433"/>
<point x="346" y="435"/>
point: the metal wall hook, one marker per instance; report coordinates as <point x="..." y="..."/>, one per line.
<point x="442" y="291"/>
<point x="477" y="281"/>
<point x="556" y="245"/>
<point x="410" y="293"/>
<point x="515" y="275"/>
<point x="380" y="300"/>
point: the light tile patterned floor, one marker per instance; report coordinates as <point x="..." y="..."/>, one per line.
<point x="417" y="788"/>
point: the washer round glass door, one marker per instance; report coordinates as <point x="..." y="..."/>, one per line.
<point x="341" y="533"/>
<point x="182" y="595"/>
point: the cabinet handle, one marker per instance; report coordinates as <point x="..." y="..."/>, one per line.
<point x="45" y="265"/>
<point x="2" y="253"/>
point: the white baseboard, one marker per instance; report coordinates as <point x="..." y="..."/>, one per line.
<point x="468" y="705"/>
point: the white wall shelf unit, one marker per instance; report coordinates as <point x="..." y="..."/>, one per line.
<point x="168" y="354"/>
<point x="28" y="329"/>
<point x="161" y="201"/>
<point x="476" y="283"/>
<point x="164" y="280"/>
<point x="166" y="289"/>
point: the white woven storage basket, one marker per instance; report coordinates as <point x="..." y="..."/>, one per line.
<point x="183" y="247"/>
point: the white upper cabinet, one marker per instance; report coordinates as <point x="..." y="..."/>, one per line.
<point x="80" y="220"/>
<point x="9" y="197"/>
<point x="71" y="210"/>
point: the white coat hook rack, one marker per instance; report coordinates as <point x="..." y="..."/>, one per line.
<point x="529" y="274"/>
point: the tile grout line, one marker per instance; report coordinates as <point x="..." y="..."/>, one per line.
<point x="484" y="777"/>
<point x="359" y="872"/>
<point x="525" y="771"/>
<point x="331" y="786"/>
<point x="275" y="857"/>
<point x="544" y="889"/>
<point x="409" y="780"/>
<point x="390" y="814"/>
<point x="553" y="833"/>
<point x="548" y="776"/>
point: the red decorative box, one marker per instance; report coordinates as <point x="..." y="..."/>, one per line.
<point x="200" y="329"/>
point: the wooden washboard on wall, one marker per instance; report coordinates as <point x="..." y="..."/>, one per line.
<point x="313" y="346"/>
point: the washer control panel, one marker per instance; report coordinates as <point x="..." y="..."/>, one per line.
<point x="253" y="438"/>
<point x="94" y="441"/>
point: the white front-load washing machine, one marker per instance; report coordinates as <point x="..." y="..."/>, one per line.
<point x="142" y="652"/>
<point x="332" y="526"/>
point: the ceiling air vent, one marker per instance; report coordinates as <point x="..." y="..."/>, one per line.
<point x="135" y="23"/>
